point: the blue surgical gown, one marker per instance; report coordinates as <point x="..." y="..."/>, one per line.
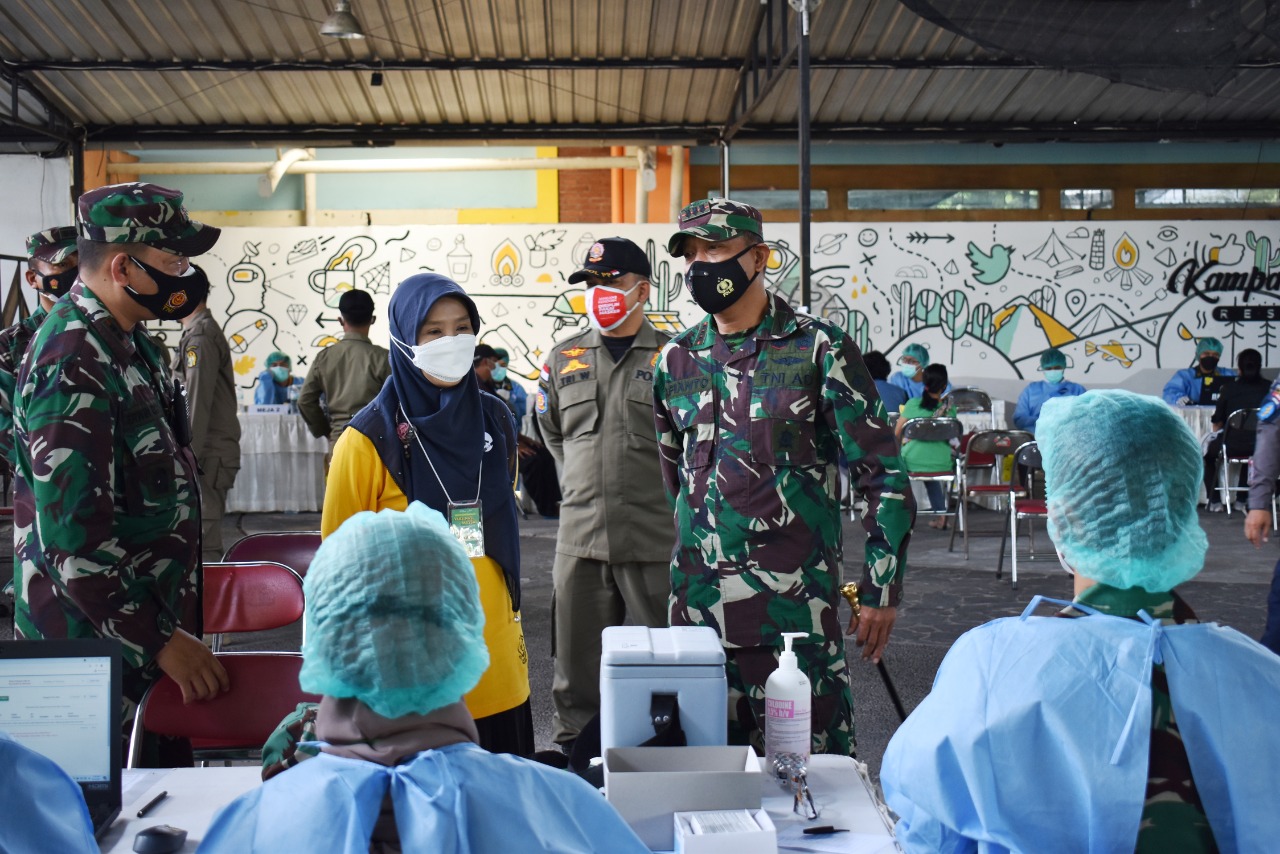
<point x="1027" y="412"/>
<point x="44" y="809"/>
<point x="270" y="393"/>
<point x="892" y="395"/>
<point x="1036" y="736"/>
<point x="1186" y="383"/>
<point x="451" y="800"/>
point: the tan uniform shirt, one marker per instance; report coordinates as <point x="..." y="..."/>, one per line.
<point x="349" y="374"/>
<point x="597" y="419"/>
<point x="203" y="363"/>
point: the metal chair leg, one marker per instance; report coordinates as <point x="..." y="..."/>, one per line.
<point x="1013" y="525"/>
<point x="1004" y="535"/>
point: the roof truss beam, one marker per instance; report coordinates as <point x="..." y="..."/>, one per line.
<point x="773" y="50"/>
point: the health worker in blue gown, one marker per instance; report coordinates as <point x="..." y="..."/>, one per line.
<point x="1053" y="365"/>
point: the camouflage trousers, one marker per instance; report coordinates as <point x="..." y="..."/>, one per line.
<point x="748" y="668"/>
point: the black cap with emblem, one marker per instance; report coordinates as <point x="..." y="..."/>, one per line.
<point x="611" y="257"/>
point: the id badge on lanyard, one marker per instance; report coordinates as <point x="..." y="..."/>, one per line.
<point x="466" y="523"/>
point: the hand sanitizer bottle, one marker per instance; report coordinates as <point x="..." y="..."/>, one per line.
<point x="788" y="699"/>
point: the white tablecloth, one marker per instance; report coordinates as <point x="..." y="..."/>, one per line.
<point x="281" y="466"/>
<point x="1198" y="418"/>
<point x="977" y="421"/>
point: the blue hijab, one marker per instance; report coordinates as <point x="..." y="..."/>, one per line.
<point x="462" y="428"/>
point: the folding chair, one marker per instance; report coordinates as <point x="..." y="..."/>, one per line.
<point x="966" y="399"/>
<point x="1238" y="438"/>
<point x="294" y="549"/>
<point x="980" y="452"/>
<point x="1023" y="507"/>
<point x="249" y="597"/>
<point x="947" y="430"/>
<point x="234" y="724"/>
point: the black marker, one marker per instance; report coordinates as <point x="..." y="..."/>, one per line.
<point x="147" y="808"/>
<point x="822" y="829"/>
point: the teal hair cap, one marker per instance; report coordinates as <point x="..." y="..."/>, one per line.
<point x="393" y="614"/>
<point x="1122" y="477"/>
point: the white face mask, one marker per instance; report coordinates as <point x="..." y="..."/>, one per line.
<point x="1062" y="560"/>
<point x="448" y="358"/>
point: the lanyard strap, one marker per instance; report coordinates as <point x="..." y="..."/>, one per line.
<point x="418" y="439"/>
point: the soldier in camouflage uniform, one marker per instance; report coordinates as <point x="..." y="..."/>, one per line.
<point x="107" y="500"/>
<point x="754" y="407"/>
<point x="51" y="268"/>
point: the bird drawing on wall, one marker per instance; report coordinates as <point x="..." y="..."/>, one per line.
<point x="989" y="268"/>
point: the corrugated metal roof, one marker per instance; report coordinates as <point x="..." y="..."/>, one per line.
<point x="134" y="70"/>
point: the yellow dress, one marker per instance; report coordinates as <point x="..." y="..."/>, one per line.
<point x="359" y="481"/>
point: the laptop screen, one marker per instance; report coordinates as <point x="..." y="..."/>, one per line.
<point x="61" y="698"/>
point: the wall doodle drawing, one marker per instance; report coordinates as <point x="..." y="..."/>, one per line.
<point x="1118" y="298"/>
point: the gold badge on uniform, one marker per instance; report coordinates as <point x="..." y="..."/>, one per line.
<point x="653" y="363"/>
<point x="573" y="353"/>
<point x="574" y="365"/>
<point x="191" y="356"/>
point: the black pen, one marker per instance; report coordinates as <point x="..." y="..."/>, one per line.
<point x="147" y="808"/>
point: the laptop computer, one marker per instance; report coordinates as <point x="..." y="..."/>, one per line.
<point x="62" y="699"/>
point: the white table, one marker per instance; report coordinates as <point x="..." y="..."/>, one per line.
<point x="195" y="796"/>
<point x="843" y="796"/>
<point x="281" y="466"/>
<point x="1198" y="418"/>
<point x="844" y="799"/>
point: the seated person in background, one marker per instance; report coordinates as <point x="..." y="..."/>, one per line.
<point x="392" y="649"/>
<point x="1199" y="386"/>
<point x="1130" y="726"/>
<point x="914" y="359"/>
<point x="878" y="366"/>
<point x="922" y="456"/>
<point x="1244" y="392"/>
<point x="276" y="382"/>
<point x="508" y="389"/>
<point x="44" y="809"/>
<point x="1054" y="365"/>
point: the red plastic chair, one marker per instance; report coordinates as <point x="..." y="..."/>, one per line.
<point x="980" y="452"/>
<point x="236" y="723"/>
<point x="294" y="549"/>
<point x="249" y="597"/>
<point x="1022" y="507"/>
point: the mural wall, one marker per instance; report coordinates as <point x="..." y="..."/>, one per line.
<point x="985" y="298"/>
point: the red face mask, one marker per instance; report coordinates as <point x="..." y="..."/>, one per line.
<point x="607" y="307"/>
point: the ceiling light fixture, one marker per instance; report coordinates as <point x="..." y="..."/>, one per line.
<point x="342" y="24"/>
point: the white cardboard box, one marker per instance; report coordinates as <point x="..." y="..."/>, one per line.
<point x="763" y="841"/>
<point x="648" y="785"/>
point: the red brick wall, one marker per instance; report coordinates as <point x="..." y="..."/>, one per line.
<point x="585" y="193"/>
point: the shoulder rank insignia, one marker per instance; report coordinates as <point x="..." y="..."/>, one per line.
<point x="574" y="365"/>
<point x="653" y="363"/>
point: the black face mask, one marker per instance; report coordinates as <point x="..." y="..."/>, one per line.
<point x="57" y="284"/>
<point x="177" y="297"/>
<point x="1208" y="364"/>
<point x="716" y="285"/>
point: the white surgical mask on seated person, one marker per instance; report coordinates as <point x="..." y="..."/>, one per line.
<point x="1054" y="375"/>
<point x="908" y="370"/>
<point x="447" y="358"/>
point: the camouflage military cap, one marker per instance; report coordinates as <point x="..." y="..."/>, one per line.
<point x="143" y="213"/>
<point x="53" y="245"/>
<point x="716" y="219"/>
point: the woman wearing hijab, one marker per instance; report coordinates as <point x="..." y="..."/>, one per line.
<point x="432" y="435"/>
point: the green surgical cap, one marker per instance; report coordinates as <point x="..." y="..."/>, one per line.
<point x="503" y="355"/>
<point x="1053" y="358"/>
<point x="277" y="356"/>
<point x="917" y="352"/>
<point x="393" y="614"/>
<point x="1205" y="345"/>
<point x="1122" y="476"/>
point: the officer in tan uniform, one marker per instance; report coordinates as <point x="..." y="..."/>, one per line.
<point x="203" y="363"/>
<point x="595" y="407"/>
<point x="349" y="374"/>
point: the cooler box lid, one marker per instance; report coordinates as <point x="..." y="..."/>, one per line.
<point x="678" y="645"/>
